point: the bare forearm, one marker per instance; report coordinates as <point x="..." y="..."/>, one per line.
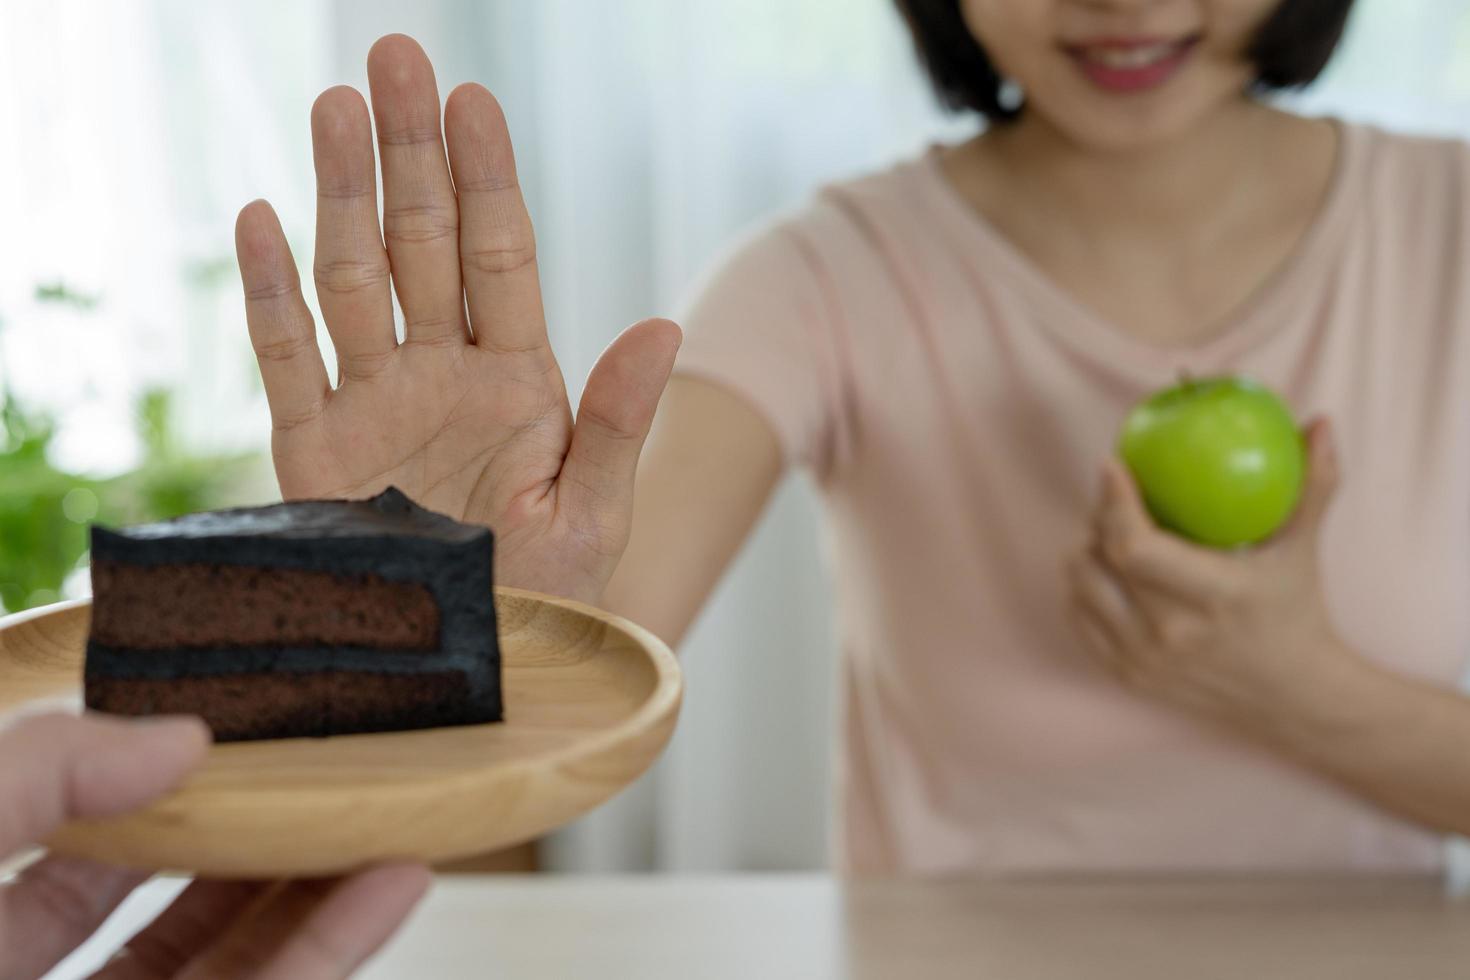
<point x="704" y="479"/>
<point x="1399" y="742"/>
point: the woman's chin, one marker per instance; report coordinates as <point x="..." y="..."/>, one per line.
<point x="1115" y="123"/>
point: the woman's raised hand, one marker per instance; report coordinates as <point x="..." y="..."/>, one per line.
<point x="468" y="414"/>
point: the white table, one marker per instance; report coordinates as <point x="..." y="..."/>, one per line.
<point x="814" y="927"/>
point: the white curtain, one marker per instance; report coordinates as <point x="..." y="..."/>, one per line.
<point x="648" y="133"/>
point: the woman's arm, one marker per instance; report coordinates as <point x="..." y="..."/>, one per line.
<point x="705" y="476"/>
<point x="1401" y="743"/>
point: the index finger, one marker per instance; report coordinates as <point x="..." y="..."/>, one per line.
<point x="314" y="929"/>
<point x="53" y="906"/>
<point x="1131" y="543"/>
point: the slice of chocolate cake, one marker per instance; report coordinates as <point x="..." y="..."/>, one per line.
<point x="319" y="617"/>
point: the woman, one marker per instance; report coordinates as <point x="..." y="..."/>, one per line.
<point x="1036" y="678"/>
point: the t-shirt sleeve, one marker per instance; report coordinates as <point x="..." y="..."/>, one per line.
<point x="762" y="325"/>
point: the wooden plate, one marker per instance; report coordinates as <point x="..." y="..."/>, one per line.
<point x="590" y="701"/>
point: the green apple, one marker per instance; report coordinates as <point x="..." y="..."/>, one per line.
<point x="1219" y="460"/>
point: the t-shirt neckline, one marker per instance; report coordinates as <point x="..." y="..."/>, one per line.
<point x="1076" y="323"/>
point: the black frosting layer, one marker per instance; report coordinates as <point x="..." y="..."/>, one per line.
<point x="162" y="663"/>
<point x="390" y="513"/>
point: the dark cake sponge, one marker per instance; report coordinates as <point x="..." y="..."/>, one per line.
<point x="226" y="602"/>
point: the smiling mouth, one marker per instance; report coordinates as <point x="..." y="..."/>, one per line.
<point x="1131" y="64"/>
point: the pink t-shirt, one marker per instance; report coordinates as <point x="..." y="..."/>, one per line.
<point x="953" y="404"/>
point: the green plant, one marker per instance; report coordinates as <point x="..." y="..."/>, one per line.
<point x="46" y="512"/>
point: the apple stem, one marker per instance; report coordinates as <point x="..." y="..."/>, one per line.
<point x="1186" y="380"/>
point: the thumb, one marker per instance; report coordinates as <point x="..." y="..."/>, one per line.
<point x="55" y="768"/>
<point x="1322" y="477"/>
<point x="616" y="413"/>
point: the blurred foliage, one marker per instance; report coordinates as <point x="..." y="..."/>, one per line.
<point x="60" y="292"/>
<point x="46" y="512"/>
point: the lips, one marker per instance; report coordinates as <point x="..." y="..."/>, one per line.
<point x="1131" y="64"/>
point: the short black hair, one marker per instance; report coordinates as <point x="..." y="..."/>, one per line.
<point x="1292" y="48"/>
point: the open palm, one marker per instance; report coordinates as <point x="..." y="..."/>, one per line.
<point x="468" y="414"/>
